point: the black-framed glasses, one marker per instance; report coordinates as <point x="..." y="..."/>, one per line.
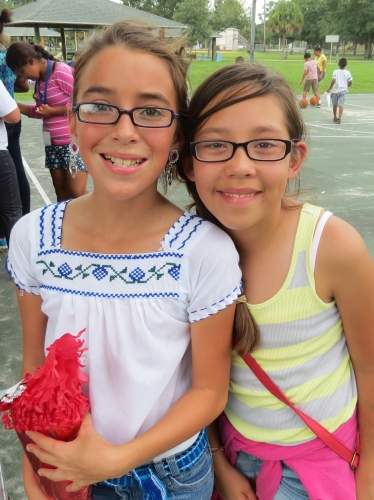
<point x="107" y="114"/>
<point x="258" y="149"/>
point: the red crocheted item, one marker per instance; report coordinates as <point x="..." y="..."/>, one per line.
<point x="52" y="403"/>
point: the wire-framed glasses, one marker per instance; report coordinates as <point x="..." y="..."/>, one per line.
<point x="258" y="149"/>
<point x="107" y="114"/>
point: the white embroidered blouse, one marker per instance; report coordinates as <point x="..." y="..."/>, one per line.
<point x="136" y="309"/>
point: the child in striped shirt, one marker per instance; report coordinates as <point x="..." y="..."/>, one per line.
<point x="53" y="92"/>
<point x="309" y="285"/>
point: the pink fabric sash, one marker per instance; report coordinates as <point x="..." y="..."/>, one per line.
<point x="325" y="476"/>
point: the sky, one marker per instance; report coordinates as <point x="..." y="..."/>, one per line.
<point x="247" y="4"/>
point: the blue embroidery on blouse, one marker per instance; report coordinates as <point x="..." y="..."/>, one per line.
<point x="175" y="271"/>
<point x="110" y="256"/>
<point x="14" y="277"/>
<point x="64" y="270"/>
<point x="112" y="295"/>
<point x="236" y="291"/>
<point x="102" y="271"/>
<point x="191" y="233"/>
<point x="188" y="219"/>
<point x="54" y="224"/>
<point x="41" y="225"/>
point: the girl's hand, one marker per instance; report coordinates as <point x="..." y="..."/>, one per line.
<point x="45" y="110"/>
<point x="86" y="460"/>
<point x="31" y="482"/>
<point x="233" y="485"/>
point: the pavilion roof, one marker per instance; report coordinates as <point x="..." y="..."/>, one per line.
<point x="83" y="13"/>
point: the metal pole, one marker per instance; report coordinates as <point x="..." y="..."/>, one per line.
<point x="37" y="34"/>
<point x="264" y="25"/>
<point x="253" y="32"/>
<point x="63" y="43"/>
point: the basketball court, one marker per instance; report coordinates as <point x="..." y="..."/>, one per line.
<point x="339" y="175"/>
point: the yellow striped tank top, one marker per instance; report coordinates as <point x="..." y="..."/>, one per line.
<point x="302" y="348"/>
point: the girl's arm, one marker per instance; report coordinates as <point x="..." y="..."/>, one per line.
<point x="350" y="270"/>
<point x="33" y="323"/>
<point x="29" y="110"/>
<point x="46" y="111"/>
<point x="77" y="461"/>
<point x="229" y="481"/>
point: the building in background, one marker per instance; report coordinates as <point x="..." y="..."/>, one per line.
<point x="231" y="39"/>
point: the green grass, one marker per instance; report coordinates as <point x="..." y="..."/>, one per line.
<point x="291" y="68"/>
<point x="25" y="96"/>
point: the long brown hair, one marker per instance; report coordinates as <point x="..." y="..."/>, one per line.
<point x="137" y="37"/>
<point x="236" y="83"/>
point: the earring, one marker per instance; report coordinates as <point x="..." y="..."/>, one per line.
<point x="74" y="151"/>
<point x="170" y="169"/>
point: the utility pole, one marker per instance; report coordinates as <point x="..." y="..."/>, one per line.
<point x="253" y="32"/>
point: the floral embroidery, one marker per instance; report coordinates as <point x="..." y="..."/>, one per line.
<point x="65" y="270"/>
<point x="102" y="271"/>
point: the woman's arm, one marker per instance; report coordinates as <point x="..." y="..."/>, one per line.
<point x="33" y="324"/>
<point x="350" y="270"/>
<point x="78" y="462"/>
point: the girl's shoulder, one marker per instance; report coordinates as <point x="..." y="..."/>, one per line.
<point x="192" y="232"/>
<point x="41" y="226"/>
<point x="62" y="69"/>
<point x="341" y="242"/>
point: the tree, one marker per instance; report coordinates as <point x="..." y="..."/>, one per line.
<point x="317" y="21"/>
<point x="286" y="20"/>
<point x="230" y="14"/>
<point x="195" y="14"/>
<point x="146" y="5"/>
<point x="353" y="20"/>
<point x="164" y="8"/>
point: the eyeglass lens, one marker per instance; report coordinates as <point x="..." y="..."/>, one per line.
<point x="262" y="149"/>
<point x="108" y="114"/>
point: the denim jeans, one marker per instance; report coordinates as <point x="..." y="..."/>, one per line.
<point x="290" y="487"/>
<point x="184" y="476"/>
<point x="10" y="201"/>
<point x="14" y="132"/>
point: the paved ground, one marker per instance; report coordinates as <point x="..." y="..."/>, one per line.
<point x="339" y="175"/>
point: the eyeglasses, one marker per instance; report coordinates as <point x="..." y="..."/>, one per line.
<point x="259" y="149"/>
<point x="107" y="114"/>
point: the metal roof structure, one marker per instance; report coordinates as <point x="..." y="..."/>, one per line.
<point x="29" y="32"/>
<point x="84" y="14"/>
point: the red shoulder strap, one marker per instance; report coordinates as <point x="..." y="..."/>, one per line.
<point x="324" y="435"/>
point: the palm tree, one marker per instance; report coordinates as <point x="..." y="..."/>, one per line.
<point x="286" y="20"/>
